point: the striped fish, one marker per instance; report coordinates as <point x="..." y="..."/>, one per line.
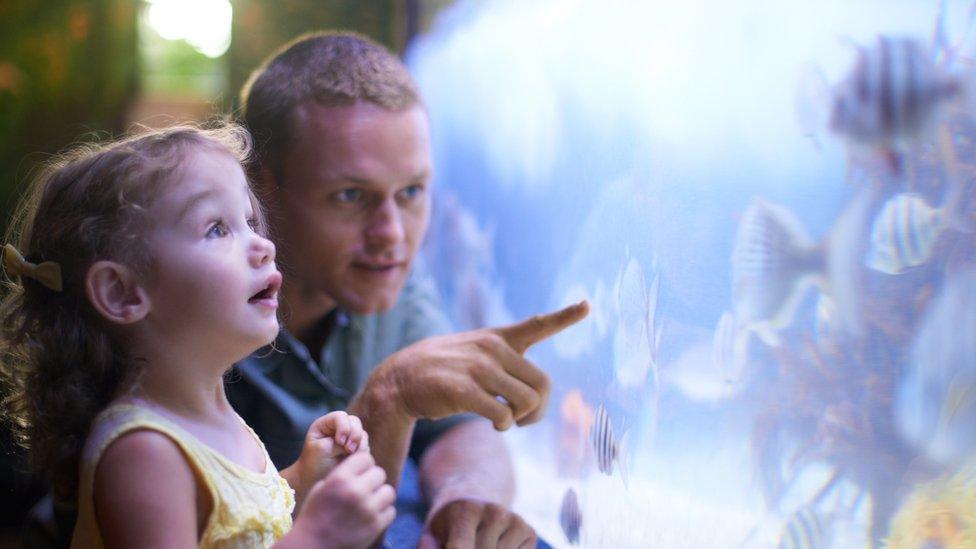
<point x="571" y="516"/>
<point x="605" y="446"/>
<point x="891" y="94"/>
<point x="803" y="530"/>
<point x="904" y="234"/>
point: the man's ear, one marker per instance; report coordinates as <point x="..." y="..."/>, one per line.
<point x="116" y="292"/>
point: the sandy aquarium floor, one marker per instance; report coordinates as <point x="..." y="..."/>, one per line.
<point x="652" y="512"/>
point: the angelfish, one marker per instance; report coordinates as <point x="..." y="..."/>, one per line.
<point x="803" y="530"/>
<point x="890" y="96"/>
<point x="904" y="234"/>
<point x="607" y="450"/>
<point x="571" y="516"/>
<point x="774" y="262"/>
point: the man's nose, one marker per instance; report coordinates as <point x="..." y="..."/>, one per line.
<point x="262" y="251"/>
<point x="385" y="226"/>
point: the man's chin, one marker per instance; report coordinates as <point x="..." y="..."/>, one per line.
<point x="368" y="305"/>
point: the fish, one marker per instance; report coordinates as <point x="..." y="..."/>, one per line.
<point x="825" y="319"/>
<point x="812" y="95"/>
<point x="607" y="450"/>
<point x="904" y="234"/>
<point x="637" y="336"/>
<point x="934" y="405"/>
<point x="890" y="97"/>
<point x="571" y="516"/>
<point x="729" y="349"/>
<point x="941" y="48"/>
<point x="773" y="261"/>
<point x="804" y="529"/>
<point x="844" y="250"/>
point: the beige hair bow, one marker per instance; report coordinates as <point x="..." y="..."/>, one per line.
<point x="47" y="273"/>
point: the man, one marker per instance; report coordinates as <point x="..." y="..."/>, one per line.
<point x="343" y="164"/>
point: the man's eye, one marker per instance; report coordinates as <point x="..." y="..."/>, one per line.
<point x="217" y="230"/>
<point x="349" y="195"/>
<point x="413" y="191"/>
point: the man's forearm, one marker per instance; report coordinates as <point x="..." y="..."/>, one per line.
<point x="469" y="461"/>
<point x="388" y="427"/>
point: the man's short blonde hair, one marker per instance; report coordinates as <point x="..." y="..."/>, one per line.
<point x="333" y="69"/>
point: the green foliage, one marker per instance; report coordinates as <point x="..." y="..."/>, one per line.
<point x="261" y="26"/>
<point x="66" y="68"/>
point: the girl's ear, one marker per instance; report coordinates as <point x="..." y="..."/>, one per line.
<point x="116" y="292"/>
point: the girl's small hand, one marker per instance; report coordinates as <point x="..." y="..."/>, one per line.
<point x="345" y="431"/>
<point x="351" y="507"/>
<point x="329" y="440"/>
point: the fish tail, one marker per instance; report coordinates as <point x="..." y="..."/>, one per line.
<point x="623" y="462"/>
<point x="953" y="213"/>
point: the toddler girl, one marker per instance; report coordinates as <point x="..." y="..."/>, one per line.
<point x="137" y="275"/>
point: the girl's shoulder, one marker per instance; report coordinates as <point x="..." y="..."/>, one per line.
<point x="143" y="490"/>
<point x="125" y="419"/>
<point x="137" y="471"/>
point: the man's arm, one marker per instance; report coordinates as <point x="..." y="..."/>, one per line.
<point x="388" y="424"/>
<point x="471" y="461"/>
<point x="447" y="375"/>
<point x="468" y="479"/>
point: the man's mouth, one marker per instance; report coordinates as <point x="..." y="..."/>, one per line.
<point x="378" y="267"/>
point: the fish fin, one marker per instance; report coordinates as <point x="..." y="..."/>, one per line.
<point x="623" y="461"/>
<point x="964" y="50"/>
<point x="941" y="49"/>
<point x="767" y="334"/>
<point x="811" y="103"/>
<point x="771" y="255"/>
<point x="846" y="249"/>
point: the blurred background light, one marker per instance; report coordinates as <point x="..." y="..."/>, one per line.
<point x="204" y="24"/>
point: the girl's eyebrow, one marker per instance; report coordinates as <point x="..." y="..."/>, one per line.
<point x="194" y="201"/>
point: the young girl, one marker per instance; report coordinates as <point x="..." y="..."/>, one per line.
<point x="137" y="276"/>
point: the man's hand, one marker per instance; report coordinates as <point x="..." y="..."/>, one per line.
<point x="477" y="524"/>
<point x="482" y="371"/>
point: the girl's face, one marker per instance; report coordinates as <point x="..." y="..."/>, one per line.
<point x="214" y="283"/>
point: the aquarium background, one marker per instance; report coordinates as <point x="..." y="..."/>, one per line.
<point x="618" y="151"/>
<point x="610" y="151"/>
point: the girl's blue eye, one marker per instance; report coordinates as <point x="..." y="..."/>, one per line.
<point x="252" y="222"/>
<point x="217" y="230"/>
<point x="349" y="195"/>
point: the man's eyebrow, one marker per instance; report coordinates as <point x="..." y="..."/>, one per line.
<point x="194" y="201"/>
<point x="419" y="177"/>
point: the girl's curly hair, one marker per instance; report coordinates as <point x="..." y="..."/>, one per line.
<point x="60" y="361"/>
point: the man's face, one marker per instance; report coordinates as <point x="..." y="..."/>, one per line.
<point x="352" y="203"/>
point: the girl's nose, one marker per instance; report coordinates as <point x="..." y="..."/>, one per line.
<point x="262" y="251"/>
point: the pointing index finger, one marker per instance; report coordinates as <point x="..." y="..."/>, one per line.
<point x="522" y="335"/>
